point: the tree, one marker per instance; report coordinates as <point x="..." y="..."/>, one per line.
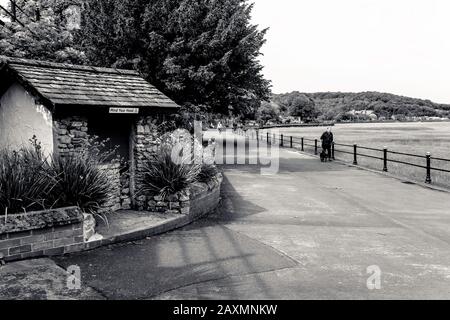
<point x="268" y="111"/>
<point x="41" y="33"/>
<point x="199" y="52"/>
<point x="302" y="106"/>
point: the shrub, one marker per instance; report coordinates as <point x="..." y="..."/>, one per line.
<point x="207" y="172"/>
<point x="29" y="181"/>
<point x="25" y="181"/>
<point x="79" y="182"/>
<point x="161" y="175"/>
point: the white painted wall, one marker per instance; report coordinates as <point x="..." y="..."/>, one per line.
<point x="21" y="118"/>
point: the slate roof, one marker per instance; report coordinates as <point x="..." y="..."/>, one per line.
<point x="64" y="84"/>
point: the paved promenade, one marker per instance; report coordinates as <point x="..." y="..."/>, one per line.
<point x="308" y="232"/>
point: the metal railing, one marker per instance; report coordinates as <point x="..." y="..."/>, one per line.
<point x="354" y="150"/>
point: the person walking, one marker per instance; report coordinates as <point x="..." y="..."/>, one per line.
<point x="327" y="141"/>
<point x="219" y="127"/>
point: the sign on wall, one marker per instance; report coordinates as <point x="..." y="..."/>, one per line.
<point x="124" y="110"/>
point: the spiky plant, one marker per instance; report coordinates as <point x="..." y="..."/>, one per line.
<point x="164" y="175"/>
<point x="25" y="180"/>
<point x="80" y="182"/>
<point x="207" y="172"/>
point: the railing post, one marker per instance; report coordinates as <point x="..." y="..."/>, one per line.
<point x="291" y="142"/>
<point x="355" y="154"/>
<point x="428" y="179"/>
<point x="332" y="151"/>
<point x="385" y="151"/>
<point x="281" y="142"/>
<point x="303" y="144"/>
<point x="315" y="147"/>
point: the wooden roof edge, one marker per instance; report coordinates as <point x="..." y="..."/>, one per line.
<point x="162" y="106"/>
<point x="66" y="66"/>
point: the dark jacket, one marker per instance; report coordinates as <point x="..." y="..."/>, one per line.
<point x="327" y="139"/>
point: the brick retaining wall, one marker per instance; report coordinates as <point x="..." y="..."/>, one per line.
<point x="54" y="232"/>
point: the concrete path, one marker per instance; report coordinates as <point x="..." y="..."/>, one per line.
<point x="308" y="232"/>
<point x="41" y="279"/>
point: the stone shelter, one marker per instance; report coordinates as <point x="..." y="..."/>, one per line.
<point x="63" y="104"/>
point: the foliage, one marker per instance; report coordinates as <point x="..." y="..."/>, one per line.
<point x="25" y="182"/>
<point x="79" y="179"/>
<point x="175" y="166"/>
<point x="48" y="38"/>
<point x="201" y="52"/>
<point x="207" y="172"/>
<point x="79" y="182"/>
<point x="162" y="175"/>
<point x="339" y="106"/>
<point x="297" y="104"/>
<point x="335" y="105"/>
<point x="29" y="181"/>
<point x="268" y="111"/>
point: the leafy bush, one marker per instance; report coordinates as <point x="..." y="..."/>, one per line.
<point x="25" y="182"/>
<point x="207" y="172"/>
<point x="162" y="175"/>
<point x="79" y="182"/>
<point x="29" y="181"/>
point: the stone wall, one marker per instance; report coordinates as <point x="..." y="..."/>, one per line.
<point x="199" y="199"/>
<point x="145" y="142"/>
<point x="114" y="201"/>
<point x="70" y="135"/>
<point x="204" y="200"/>
<point x="125" y="193"/>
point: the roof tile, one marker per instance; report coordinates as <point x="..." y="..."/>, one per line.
<point x="64" y="84"/>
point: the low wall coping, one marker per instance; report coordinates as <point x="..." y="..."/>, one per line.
<point x="40" y="219"/>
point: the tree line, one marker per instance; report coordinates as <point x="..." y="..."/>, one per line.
<point x="341" y="106"/>
<point x="203" y="54"/>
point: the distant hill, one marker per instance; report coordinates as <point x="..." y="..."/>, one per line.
<point x="341" y="106"/>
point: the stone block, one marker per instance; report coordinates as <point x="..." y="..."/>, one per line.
<point x="172" y="212"/>
<point x="185" y="204"/>
<point x="161" y="204"/>
<point x="77" y="124"/>
<point x="174" y="205"/>
<point x="62" y="242"/>
<point x="20" y="249"/>
<point x="42" y="245"/>
<point x="65" y="139"/>
<point x="172" y="197"/>
<point x="184" y="197"/>
<point x="185" y="210"/>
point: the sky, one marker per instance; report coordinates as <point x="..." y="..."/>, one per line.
<point x="396" y="46"/>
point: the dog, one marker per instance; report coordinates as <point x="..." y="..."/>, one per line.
<point x="323" y="156"/>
